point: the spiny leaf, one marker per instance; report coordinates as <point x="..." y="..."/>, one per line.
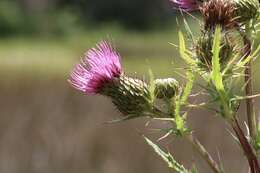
<point x="167" y="157"/>
<point x="179" y="120"/>
<point x="181" y="100"/>
<point x="189" y="32"/>
<point x="183" y="51"/>
<point x="249" y="58"/>
<point x="216" y="73"/>
<point x="230" y="64"/>
<point x="188" y="87"/>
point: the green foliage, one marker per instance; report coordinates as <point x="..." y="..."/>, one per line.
<point x="188" y="87"/>
<point x="257" y="139"/>
<point x="135" y="14"/>
<point x="180" y="100"/>
<point x="167" y="157"/>
<point x="217" y="78"/>
<point x="10" y="17"/>
<point x="253" y="55"/>
<point x="188" y="30"/>
<point x="247" y="10"/>
<point x="185" y="54"/>
<point x="216" y="73"/>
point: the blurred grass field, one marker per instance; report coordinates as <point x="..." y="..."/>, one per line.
<point x="55" y="57"/>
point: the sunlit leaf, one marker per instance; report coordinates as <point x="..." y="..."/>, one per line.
<point x="188" y="87"/>
<point x="167" y="157"/>
<point x="183" y="51"/>
<point x="216" y="73"/>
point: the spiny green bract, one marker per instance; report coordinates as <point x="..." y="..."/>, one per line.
<point x="131" y="96"/>
<point x="247" y="10"/>
<point x="204" y="46"/>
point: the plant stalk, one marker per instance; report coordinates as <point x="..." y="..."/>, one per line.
<point x="204" y="153"/>
<point x="249" y="90"/>
<point x="251" y="157"/>
<point x="250" y="102"/>
<point x="198" y="146"/>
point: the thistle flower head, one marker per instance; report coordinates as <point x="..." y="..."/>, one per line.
<point x="100" y="72"/>
<point x="186" y="5"/>
<point x="99" y="66"/>
<point x="218" y="12"/>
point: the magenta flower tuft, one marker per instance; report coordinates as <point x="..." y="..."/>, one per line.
<point x="186" y="5"/>
<point x="99" y="66"/>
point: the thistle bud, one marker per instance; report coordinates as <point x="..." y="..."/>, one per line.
<point x="218" y="12"/>
<point x="166" y="88"/>
<point x="204" y="50"/>
<point x="247" y="10"/>
<point x="129" y="95"/>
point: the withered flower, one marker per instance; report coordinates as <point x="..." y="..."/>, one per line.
<point x="219" y="12"/>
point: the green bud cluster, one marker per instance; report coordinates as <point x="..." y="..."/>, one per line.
<point x="134" y="97"/>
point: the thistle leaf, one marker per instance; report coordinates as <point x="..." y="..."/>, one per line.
<point x="188" y="87"/>
<point x="181" y="100"/>
<point x="189" y="32"/>
<point x="249" y="58"/>
<point x="167" y="157"/>
<point x="216" y="75"/>
<point x="183" y="51"/>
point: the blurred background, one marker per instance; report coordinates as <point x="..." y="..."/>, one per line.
<point x="47" y="126"/>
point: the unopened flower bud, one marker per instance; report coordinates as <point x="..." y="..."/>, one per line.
<point x="204" y="50"/>
<point x="130" y="96"/>
<point x="166" y="88"/>
<point x="247" y="10"/>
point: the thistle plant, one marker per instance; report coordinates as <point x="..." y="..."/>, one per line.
<point x="221" y="56"/>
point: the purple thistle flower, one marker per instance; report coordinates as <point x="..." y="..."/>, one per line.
<point x="99" y="66"/>
<point x="186" y="5"/>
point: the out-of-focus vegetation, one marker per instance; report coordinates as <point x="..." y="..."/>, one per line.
<point x="54" y="57"/>
<point x="49" y="36"/>
<point x="59" y="17"/>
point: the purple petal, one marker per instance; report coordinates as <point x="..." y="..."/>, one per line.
<point x="99" y="66"/>
<point x="186" y="5"/>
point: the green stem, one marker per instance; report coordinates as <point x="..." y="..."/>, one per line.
<point x="203" y="152"/>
